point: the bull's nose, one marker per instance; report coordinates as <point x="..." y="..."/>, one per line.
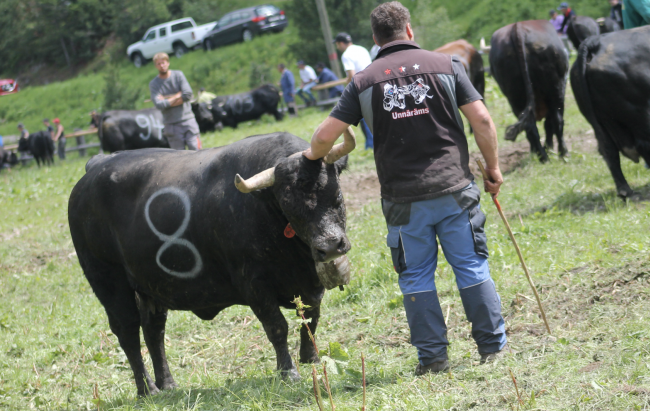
<point x="332" y="250"/>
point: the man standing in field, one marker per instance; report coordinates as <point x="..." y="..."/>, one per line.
<point x="307" y="81"/>
<point x="412" y="98"/>
<point x="354" y="58"/>
<point x="171" y="94"/>
<point x="59" y="138"/>
<point x="288" y="84"/>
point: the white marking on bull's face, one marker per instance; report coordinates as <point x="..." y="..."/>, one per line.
<point x="174" y="239"/>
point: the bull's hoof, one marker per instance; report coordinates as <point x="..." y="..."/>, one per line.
<point x="625" y="192"/>
<point x="291" y="375"/>
<point x="511" y="135"/>
<point x="309" y="359"/>
<point x="151" y="390"/>
<point x="167" y="385"/>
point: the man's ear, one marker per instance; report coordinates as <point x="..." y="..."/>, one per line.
<point x="409" y="32"/>
<point x="341" y="164"/>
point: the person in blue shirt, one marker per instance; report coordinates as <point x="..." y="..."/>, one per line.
<point x="326" y="75"/>
<point x="288" y="86"/>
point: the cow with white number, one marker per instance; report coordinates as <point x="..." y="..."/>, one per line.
<point x="120" y="130"/>
<point x="236" y="108"/>
<point x="158" y="230"/>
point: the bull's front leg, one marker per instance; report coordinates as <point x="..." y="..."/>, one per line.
<point x="277" y="329"/>
<point x="308" y="353"/>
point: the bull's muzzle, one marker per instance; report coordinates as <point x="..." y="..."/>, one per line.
<point x="334" y="273"/>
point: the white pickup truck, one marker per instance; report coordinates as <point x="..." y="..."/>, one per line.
<point x="175" y="37"/>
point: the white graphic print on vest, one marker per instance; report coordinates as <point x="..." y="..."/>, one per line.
<point x="394" y="96"/>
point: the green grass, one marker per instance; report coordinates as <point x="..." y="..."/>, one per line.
<point x="587" y="250"/>
<point x="224" y="70"/>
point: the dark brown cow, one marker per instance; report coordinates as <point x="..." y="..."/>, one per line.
<point x="471" y="59"/>
<point x="528" y="62"/>
<point x="581" y="27"/>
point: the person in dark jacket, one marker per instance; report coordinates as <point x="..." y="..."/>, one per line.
<point x="616" y="12"/>
<point x="288" y="86"/>
<point x="325" y="75"/>
<point x="411" y="99"/>
<point x="568" y="14"/>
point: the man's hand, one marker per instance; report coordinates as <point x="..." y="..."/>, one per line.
<point x="494" y="181"/>
<point x="324" y="138"/>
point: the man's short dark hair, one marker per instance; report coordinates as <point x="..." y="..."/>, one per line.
<point x="388" y="21"/>
<point x="46" y="119"/>
<point x="281" y="65"/>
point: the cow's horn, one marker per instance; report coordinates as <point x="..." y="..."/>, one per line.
<point x="260" y="180"/>
<point x="342" y="149"/>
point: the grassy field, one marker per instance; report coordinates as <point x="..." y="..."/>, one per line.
<point x="588" y="252"/>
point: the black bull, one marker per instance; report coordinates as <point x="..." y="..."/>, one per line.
<point x="528" y="62"/>
<point x="160" y="229"/>
<point x="120" y="130"/>
<point x="40" y="145"/>
<point x="611" y="84"/>
<point x="581" y="27"/>
<point x="237" y="108"/>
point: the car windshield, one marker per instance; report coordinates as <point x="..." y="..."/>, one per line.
<point x="149" y="36"/>
<point x="225" y="20"/>
<point x="267" y="10"/>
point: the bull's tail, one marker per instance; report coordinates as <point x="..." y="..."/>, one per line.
<point x="528" y="115"/>
<point x="580" y="86"/>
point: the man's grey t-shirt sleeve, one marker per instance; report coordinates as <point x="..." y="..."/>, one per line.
<point x="348" y="109"/>
<point x="465" y="91"/>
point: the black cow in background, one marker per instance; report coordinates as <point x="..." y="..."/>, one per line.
<point x="529" y="63"/>
<point x="159" y="229"/>
<point x="40" y="146"/>
<point x="611" y="83"/>
<point x="581" y="27"/>
<point x="607" y="25"/>
<point x="7" y="159"/>
<point x="130" y="130"/>
<point x="237" y="108"/>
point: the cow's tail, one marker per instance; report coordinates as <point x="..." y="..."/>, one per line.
<point x="528" y="115"/>
<point x="579" y="82"/>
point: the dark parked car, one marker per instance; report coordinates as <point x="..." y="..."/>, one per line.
<point x="244" y="24"/>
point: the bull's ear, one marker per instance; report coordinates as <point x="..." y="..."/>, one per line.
<point x="341" y="164"/>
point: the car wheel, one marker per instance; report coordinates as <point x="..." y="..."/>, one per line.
<point x="207" y="45"/>
<point x="179" y="50"/>
<point x="247" y="35"/>
<point x="137" y="59"/>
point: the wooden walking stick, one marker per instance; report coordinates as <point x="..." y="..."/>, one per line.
<point x="512" y="237"/>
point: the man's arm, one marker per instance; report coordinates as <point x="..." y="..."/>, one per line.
<point x="350" y="74"/>
<point x="324" y="138"/>
<point x="157" y="98"/>
<point x="59" y="132"/>
<point x="485" y="134"/>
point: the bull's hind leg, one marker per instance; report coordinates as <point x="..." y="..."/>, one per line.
<point x="110" y="284"/>
<point x="308" y="353"/>
<point x="153" y="319"/>
<point x="554" y="125"/>
<point x="275" y="325"/>
<point x="610" y="153"/>
<point x="532" y="134"/>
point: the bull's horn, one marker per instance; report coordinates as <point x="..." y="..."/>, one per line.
<point x="260" y="180"/>
<point x="342" y="149"/>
